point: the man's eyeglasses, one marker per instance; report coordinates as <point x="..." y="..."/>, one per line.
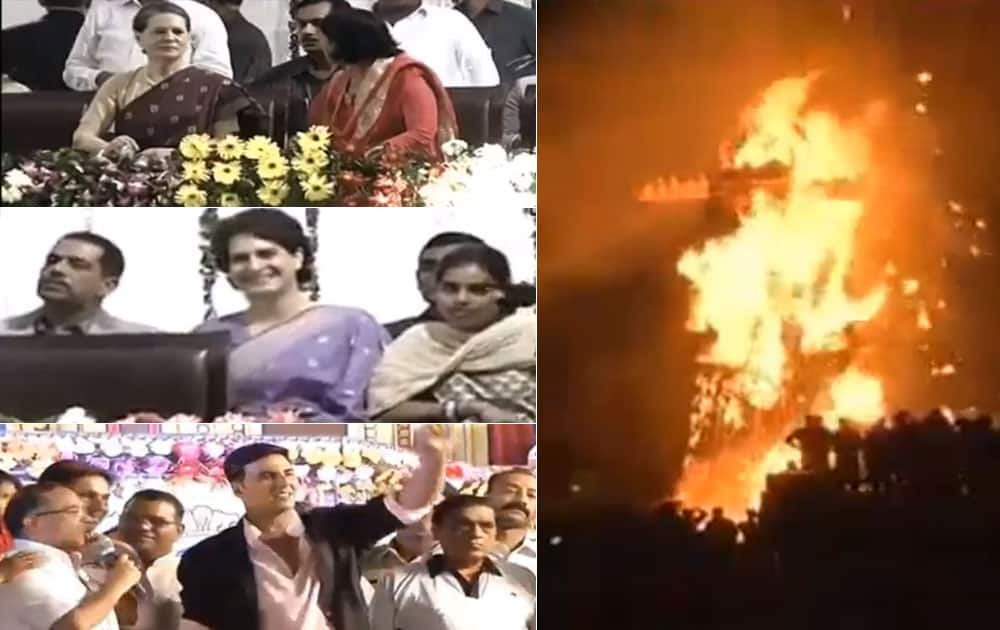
<point x="153" y="522"/>
<point x="73" y="511"/>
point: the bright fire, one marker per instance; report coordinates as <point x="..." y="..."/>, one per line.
<point x="777" y="298"/>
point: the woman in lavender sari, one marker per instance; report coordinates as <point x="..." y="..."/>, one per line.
<point x="289" y="353"/>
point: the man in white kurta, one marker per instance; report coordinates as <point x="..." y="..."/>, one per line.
<point x="47" y="519"/>
<point x="460" y="588"/>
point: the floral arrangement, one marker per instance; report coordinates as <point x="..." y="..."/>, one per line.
<point x="79" y="415"/>
<point x="352" y="469"/>
<point x="257" y="172"/>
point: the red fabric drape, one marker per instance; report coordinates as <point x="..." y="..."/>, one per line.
<point x="510" y="443"/>
<point x="6" y="540"/>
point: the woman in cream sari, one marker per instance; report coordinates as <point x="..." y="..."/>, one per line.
<point x="382" y="99"/>
<point x="478" y="364"/>
<point x="152" y="108"/>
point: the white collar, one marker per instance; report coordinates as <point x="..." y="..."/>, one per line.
<point x="292" y="526"/>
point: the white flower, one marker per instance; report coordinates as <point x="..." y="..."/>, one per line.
<point x="454" y="148"/>
<point x="17" y="178"/>
<point x="11" y="194"/>
<point x="491" y="155"/>
<point x="75" y="415"/>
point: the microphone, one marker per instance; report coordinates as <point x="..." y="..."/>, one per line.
<point x="108" y="553"/>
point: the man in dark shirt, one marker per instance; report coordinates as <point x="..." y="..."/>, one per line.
<point x="431" y="255"/>
<point x="509" y="31"/>
<point x="298" y="81"/>
<point x="814" y="441"/>
<point x="35" y="53"/>
<point x="248" y="48"/>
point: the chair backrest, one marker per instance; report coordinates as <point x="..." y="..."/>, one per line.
<point x="114" y="375"/>
<point x="480" y="112"/>
<point x="41" y="120"/>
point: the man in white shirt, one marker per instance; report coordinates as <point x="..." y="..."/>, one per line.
<point x="443" y="39"/>
<point x="48" y="519"/>
<point x="106" y="43"/>
<point x="400" y="549"/>
<point x="150" y="523"/>
<point x="460" y="588"/>
<point x="280" y="570"/>
<point x="514" y="495"/>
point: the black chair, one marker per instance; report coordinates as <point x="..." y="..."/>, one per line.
<point x="112" y="376"/>
<point x="41" y="120"/>
<point x="480" y="113"/>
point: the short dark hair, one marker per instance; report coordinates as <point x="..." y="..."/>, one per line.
<point x="518" y="470"/>
<point x="81" y="4"/>
<point x="335" y="5"/>
<point x="6" y="477"/>
<point x="358" y="36"/>
<point x="236" y="462"/>
<point x="112" y="260"/>
<point x="269" y="224"/>
<point x="444" y="239"/>
<point x="493" y="262"/>
<point x="151" y="10"/>
<point x="456" y="503"/>
<point x="25" y="501"/>
<point x="67" y="471"/>
<point x="151" y="495"/>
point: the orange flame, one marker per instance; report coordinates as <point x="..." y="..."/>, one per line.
<point x="775" y="291"/>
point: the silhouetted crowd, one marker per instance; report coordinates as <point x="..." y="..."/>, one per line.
<point x="900" y="530"/>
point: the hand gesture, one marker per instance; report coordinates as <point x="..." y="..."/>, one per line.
<point x="431" y="440"/>
<point x="120" y="147"/>
<point x="124" y="574"/>
<point x="16" y="564"/>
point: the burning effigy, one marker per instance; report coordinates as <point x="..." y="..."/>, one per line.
<point x="774" y="296"/>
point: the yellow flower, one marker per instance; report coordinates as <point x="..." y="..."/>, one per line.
<point x="230" y="148"/>
<point x="272" y="167"/>
<point x="310" y="162"/>
<point x="273" y="193"/>
<point x="230" y="200"/>
<point x="196" y="146"/>
<point x="317" y="188"/>
<point x="195" y="171"/>
<point x="316" y="138"/>
<point x="259" y="147"/>
<point x="227" y="173"/>
<point x="190" y="195"/>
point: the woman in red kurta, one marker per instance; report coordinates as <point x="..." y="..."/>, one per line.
<point x="382" y="99"/>
<point x="8" y="486"/>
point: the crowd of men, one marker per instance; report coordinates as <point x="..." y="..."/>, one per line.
<point x="413" y="561"/>
<point x="915" y="546"/>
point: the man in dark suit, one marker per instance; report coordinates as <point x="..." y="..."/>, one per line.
<point x="277" y="568"/>
<point x="298" y="81"/>
<point x="509" y="31"/>
<point x="248" y="47"/>
<point x="34" y="53"/>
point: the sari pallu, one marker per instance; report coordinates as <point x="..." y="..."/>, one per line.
<point x="400" y="103"/>
<point x="496" y="365"/>
<point x="188" y="102"/>
<point x="318" y="363"/>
